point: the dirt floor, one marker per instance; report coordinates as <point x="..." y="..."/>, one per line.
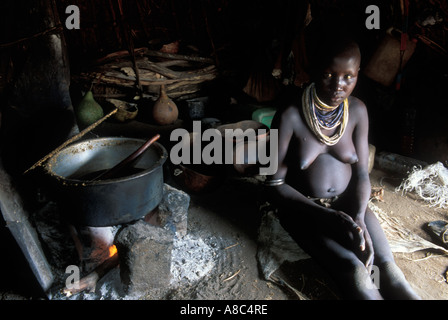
<point x="230" y="215"/>
<point x="425" y="270"/>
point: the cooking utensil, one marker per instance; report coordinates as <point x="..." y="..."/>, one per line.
<point x="105" y="202"/>
<point x="126" y="163"/>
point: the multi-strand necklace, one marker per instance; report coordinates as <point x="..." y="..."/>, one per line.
<point x="319" y="115"/>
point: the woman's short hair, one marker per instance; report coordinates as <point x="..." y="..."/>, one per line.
<point x="327" y="41"/>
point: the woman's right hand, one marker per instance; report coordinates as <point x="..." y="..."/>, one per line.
<point x="346" y="230"/>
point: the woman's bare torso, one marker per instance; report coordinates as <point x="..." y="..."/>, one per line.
<point x="322" y="171"/>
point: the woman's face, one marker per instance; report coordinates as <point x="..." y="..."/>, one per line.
<point x="336" y="81"/>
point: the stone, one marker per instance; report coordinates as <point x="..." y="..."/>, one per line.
<point x="172" y="212"/>
<point x="144" y="253"/>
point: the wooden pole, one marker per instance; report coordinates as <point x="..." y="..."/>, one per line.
<point x="74" y="138"/>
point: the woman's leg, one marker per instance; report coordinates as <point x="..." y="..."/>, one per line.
<point x="392" y="282"/>
<point x="347" y="271"/>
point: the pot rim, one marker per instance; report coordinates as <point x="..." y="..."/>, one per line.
<point x="75" y="182"/>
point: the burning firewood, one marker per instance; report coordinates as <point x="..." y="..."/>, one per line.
<point x="89" y="281"/>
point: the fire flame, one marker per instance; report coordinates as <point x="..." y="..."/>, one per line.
<point x="112" y="251"/>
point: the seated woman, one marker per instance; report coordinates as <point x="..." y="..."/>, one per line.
<point x="322" y="186"/>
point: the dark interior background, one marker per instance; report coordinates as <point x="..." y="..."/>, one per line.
<point x="242" y="36"/>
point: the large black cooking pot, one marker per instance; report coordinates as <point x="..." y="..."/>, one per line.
<point x="106" y="202"/>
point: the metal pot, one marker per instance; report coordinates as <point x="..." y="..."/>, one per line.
<point x="106" y="202"/>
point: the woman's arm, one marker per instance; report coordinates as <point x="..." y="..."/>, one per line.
<point x="282" y="193"/>
<point x="360" y="188"/>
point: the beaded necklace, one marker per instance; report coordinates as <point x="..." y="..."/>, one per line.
<point x="314" y="109"/>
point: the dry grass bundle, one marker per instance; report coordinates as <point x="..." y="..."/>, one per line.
<point x="430" y="183"/>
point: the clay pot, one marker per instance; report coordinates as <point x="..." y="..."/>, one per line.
<point x="165" y="110"/>
<point x="195" y="181"/>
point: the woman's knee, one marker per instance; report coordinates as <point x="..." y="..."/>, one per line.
<point x="393" y="282"/>
<point x="354" y="282"/>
